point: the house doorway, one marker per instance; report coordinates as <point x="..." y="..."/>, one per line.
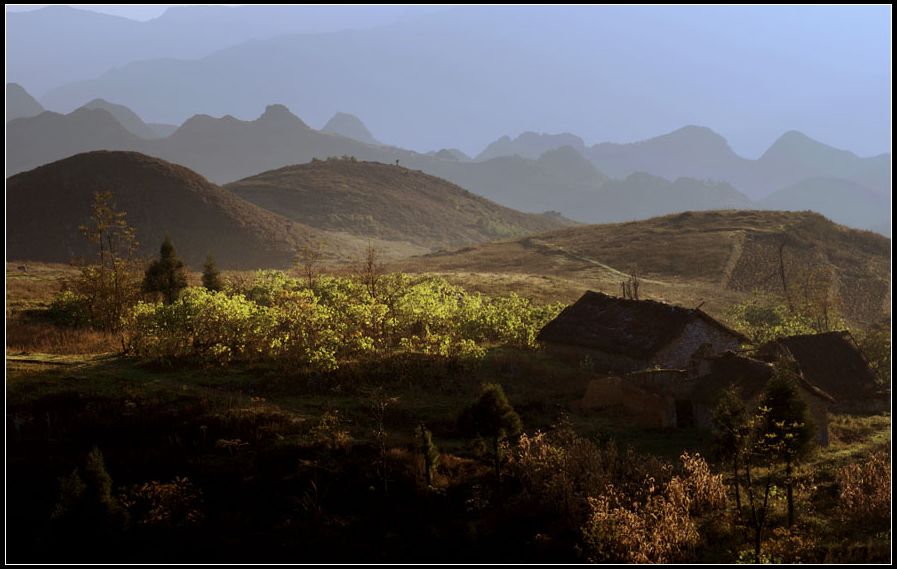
<point x="685" y="413"/>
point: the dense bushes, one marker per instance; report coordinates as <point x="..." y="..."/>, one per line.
<point x="865" y="495"/>
<point x="657" y="524"/>
<point x="69" y="310"/>
<point x="275" y="317"/>
<point x="764" y="319"/>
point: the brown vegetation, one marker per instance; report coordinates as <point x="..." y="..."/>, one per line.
<point x="716" y="257"/>
<point x="374" y="200"/>
<point x="48" y="204"/>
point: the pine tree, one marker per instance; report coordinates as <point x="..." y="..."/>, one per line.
<point x="787" y="424"/>
<point x="166" y="275"/>
<point x="492" y="417"/>
<point x="211" y="276"/>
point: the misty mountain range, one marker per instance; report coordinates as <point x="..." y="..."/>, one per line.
<point x="692" y="168"/>
<point x="442" y="77"/>
<point x="86" y="43"/>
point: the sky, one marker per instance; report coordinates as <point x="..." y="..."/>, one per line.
<point x="140" y="12"/>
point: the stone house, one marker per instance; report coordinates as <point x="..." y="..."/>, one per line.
<point x="666" y="398"/>
<point x="622" y="335"/>
<point x="650" y="396"/>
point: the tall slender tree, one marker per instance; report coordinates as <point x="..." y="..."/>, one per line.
<point x="730" y="429"/>
<point x="211" y="276"/>
<point x="111" y="283"/>
<point x="166" y="275"/>
<point x="787" y="425"/>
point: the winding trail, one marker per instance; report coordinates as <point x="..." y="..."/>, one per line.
<point x="556" y="248"/>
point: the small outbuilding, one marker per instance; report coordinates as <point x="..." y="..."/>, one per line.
<point x="749" y="376"/>
<point x="832" y="361"/>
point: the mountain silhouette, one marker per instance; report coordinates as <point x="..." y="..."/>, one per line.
<point x="87" y="44"/>
<point x="795" y="156"/>
<point x="350" y="126"/>
<point x="450" y="154"/>
<point x="126" y="117"/>
<point x="227" y="149"/>
<point x="692" y="151"/>
<point x="50" y="136"/>
<point x="19" y="103"/>
<point x="530" y="145"/>
<point x="841" y="201"/>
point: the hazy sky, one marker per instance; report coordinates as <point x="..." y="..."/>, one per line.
<point x="140" y="12"/>
<point x="605" y="73"/>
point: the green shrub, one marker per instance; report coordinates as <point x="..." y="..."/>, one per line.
<point x="275" y="317"/>
<point x="70" y="310"/>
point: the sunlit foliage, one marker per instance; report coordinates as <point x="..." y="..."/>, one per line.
<point x="278" y="318"/>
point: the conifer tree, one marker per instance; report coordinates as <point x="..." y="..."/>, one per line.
<point x="491" y="417"/>
<point x="211" y="276"/>
<point x="787" y="424"/>
<point x="166" y="275"/>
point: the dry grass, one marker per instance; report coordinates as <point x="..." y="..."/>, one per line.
<point x="24" y="336"/>
<point x="34" y="286"/>
<point x="372" y="200"/>
<point x="714" y="257"/>
<point x="865" y="489"/>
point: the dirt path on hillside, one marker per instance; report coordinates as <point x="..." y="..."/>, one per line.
<point x="734" y="257"/>
<point x="605" y="266"/>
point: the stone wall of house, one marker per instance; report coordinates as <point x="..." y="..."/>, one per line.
<point x="819" y="411"/>
<point x="695" y="334"/>
<point x="603" y="392"/>
<point x="647" y="408"/>
<point x="650" y="409"/>
<point x="703" y="415"/>
<point x="818" y="407"/>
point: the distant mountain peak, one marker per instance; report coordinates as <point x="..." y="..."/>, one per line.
<point x="795" y="135"/>
<point x="568" y="161"/>
<point x="450" y="154"/>
<point x="19" y="103"/>
<point x="795" y="145"/>
<point x="350" y="126"/>
<point x="565" y="138"/>
<point x="280" y="115"/>
<point x="698" y="129"/>
<point x="694" y="134"/>
<point x="530" y="144"/>
<point x="125" y="116"/>
<point x="565" y="152"/>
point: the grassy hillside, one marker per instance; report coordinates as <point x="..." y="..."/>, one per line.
<point x="712" y="257"/>
<point x="374" y="200"/>
<point x="47" y="205"/>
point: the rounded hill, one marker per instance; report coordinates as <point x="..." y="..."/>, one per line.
<point x="47" y="205"/>
<point x="386" y="201"/>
